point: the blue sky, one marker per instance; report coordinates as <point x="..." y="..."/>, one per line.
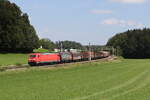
<point x="85" y="21"/>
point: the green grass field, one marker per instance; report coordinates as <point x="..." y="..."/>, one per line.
<point x="13" y="59"/>
<point x="117" y="80"/>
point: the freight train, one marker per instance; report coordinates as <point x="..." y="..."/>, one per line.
<point x="64" y="57"/>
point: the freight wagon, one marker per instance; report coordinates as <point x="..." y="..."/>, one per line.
<point x="86" y="55"/>
<point x="104" y="54"/>
<point x="76" y="56"/>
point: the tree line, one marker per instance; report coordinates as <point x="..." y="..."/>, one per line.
<point x="50" y="45"/>
<point x="132" y="43"/>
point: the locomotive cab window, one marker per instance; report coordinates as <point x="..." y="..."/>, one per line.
<point x="32" y="56"/>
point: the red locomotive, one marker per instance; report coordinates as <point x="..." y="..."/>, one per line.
<point x="38" y="58"/>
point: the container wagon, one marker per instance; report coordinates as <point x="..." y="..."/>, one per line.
<point x="76" y="56"/>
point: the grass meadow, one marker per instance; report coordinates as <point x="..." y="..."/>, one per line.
<point x="117" y="80"/>
<point x="13" y="59"/>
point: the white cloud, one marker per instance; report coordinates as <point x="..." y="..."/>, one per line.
<point x="129" y="1"/>
<point x="124" y="23"/>
<point x="98" y="11"/>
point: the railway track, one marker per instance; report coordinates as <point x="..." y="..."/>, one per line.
<point x="26" y="66"/>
